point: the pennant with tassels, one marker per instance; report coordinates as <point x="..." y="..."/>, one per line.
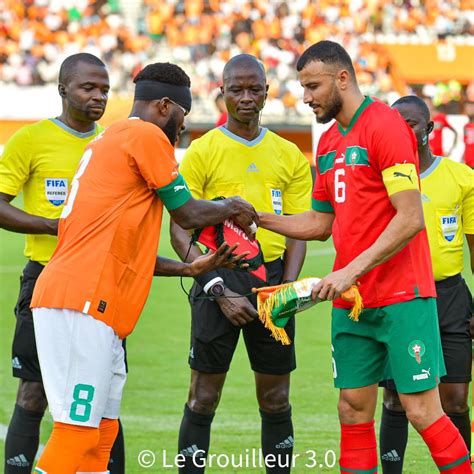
<point x="277" y="304"/>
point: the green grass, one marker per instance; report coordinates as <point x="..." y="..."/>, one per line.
<point x="158" y="376"/>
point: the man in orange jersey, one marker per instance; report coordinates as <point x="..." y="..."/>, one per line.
<point x="39" y="161"/>
<point x="92" y="292"/>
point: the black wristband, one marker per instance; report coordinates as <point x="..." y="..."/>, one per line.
<point x="203" y="280"/>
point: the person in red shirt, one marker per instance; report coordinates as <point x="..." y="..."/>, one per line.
<point x="469" y="136"/>
<point x="367" y="196"/>
<point x="436" y="136"/>
<point x="90" y="295"/>
<point x="220" y="104"/>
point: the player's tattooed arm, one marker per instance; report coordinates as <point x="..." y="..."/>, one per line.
<point x="16" y="220"/>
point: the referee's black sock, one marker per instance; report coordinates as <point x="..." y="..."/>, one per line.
<point x="194" y="439"/>
<point x="393" y="440"/>
<point x="462" y="422"/>
<point x="277" y="439"/>
<point x="117" y="453"/>
<point x="22" y="441"/>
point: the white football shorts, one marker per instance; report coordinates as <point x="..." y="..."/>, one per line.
<point x="82" y="364"/>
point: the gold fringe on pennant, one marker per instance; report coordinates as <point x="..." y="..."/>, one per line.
<point x="266" y="301"/>
<point x="353" y="296"/>
<point x="268" y="297"/>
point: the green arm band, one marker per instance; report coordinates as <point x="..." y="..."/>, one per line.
<point x="175" y="194"/>
<point x="321" y="206"/>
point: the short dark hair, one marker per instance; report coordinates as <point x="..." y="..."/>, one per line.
<point x="417" y="102"/>
<point x="163" y="72"/>
<point x="327" y="52"/>
<point x="69" y="65"/>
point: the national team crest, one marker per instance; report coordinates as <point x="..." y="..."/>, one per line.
<point x="354" y="157"/>
<point x="417" y="349"/>
<point x="56" y="190"/>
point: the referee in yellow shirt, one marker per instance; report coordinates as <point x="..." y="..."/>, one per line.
<point x="40" y="160"/>
<point x="241" y="158"/>
<point x="447" y="191"/>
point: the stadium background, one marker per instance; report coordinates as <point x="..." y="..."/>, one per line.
<point x="398" y="47"/>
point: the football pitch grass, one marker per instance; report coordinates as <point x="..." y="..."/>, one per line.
<point x="158" y="378"/>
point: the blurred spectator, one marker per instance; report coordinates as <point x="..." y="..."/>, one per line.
<point x="470" y="92"/>
<point x="446" y="93"/>
<point x="204" y="34"/>
<point x="436" y="136"/>
<point x="469" y="135"/>
<point x="201" y="35"/>
<point x="220" y="104"/>
<point x="36" y="35"/>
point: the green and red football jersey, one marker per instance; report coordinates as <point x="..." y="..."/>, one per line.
<point x="349" y="182"/>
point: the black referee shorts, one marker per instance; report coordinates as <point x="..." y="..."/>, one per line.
<point x="25" y="364"/>
<point x="214" y="338"/>
<point x="454" y="303"/>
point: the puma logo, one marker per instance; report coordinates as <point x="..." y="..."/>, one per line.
<point x="398" y="174"/>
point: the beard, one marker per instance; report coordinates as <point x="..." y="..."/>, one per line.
<point x="83" y="112"/>
<point x="170" y="128"/>
<point x="332" y="108"/>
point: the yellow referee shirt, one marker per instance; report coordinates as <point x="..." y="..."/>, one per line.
<point x="447" y="192"/>
<point x="269" y="172"/>
<point x="41" y="160"/>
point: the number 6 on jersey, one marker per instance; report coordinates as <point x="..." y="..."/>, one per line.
<point x="339" y="185"/>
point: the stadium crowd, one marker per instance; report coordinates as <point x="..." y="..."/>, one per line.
<point x="201" y="35"/>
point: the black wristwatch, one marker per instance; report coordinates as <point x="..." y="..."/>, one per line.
<point x="217" y="289"/>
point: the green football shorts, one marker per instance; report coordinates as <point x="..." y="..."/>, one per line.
<point x="399" y="341"/>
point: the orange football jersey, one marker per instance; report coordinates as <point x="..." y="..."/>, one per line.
<point x="110" y="227"/>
